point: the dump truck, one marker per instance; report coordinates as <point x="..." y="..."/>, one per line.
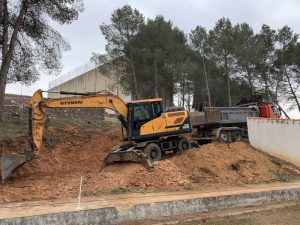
<point x="229" y="124"/>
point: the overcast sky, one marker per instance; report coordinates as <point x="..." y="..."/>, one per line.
<point x="85" y="37"/>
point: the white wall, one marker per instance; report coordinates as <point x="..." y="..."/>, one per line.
<point x="90" y="81"/>
<point x="278" y="137"/>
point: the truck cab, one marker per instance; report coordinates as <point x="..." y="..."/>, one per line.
<point x="269" y="111"/>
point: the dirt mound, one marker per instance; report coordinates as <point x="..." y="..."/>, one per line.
<point x="134" y="176"/>
<point x="212" y="164"/>
<point x="235" y="163"/>
<point x="69" y="154"/>
<point x="73" y="153"/>
<point x="78" y="152"/>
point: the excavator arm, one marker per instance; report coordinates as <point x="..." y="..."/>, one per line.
<point x="38" y="106"/>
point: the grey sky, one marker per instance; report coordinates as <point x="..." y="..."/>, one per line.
<point x="85" y="37"/>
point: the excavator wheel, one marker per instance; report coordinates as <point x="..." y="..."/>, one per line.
<point x="153" y="151"/>
<point x="183" y="144"/>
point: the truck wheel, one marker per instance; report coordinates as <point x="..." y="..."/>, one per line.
<point x="245" y="133"/>
<point x="224" y="136"/>
<point x="183" y="144"/>
<point x="237" y="135"/>
<point x="153" y="151"/>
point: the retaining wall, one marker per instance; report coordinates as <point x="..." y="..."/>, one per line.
<point x="278" y="137"/>
<point x="15" y="108"/>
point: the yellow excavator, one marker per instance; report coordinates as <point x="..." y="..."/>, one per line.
<point x="150" y="131"/>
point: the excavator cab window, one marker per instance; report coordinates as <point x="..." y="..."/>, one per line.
<point x="142" y="112"/>
<point x="157" y="109"/>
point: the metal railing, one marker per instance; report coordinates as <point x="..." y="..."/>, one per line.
<point x="72" y="74"/>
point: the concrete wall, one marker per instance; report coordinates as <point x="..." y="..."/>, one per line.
<point x="16" y="108"/>
<point x="91" y="81"/>
<point x="278" y="137"/>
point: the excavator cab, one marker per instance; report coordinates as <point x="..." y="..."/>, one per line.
<point x="141" y="112"/>
<point x="152" y="131"/>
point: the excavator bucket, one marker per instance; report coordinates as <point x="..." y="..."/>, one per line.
<point x="131" y="155"/>
<point x="9" y="162"/>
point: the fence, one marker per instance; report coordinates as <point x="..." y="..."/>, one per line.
<point x="72" y="74"/>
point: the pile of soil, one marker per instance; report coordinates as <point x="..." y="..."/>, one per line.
<point x="235" y="163"/>
<point x="74" y="153"/>
<point x="134" y="176"/>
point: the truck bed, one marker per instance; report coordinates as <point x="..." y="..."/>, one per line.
<point x="222" y="116"/>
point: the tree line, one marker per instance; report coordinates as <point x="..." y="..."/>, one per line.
<point x="153" y="58"/>
<point x="216" y="67"/>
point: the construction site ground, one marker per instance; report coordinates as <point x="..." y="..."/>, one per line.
<point x="73" y="151"/>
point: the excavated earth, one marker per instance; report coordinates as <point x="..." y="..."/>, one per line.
<point x="72" y="153"/>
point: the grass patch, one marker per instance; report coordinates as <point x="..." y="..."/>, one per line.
<point x="91" y="193"/>
<point x="188" y="187"/>
<point x="120" y="190"/>
<point x="13" y="128"/>
<point x="286" y="177"/>
<point x="85" y="124"/>
<point x="18" y="128"/>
